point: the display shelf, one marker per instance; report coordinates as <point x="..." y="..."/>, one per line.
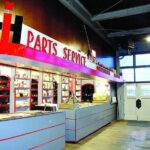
<point x="22" y="78"/>
<point x="46" y="96"/>
<point x="4" y="94"/>
<point x="34" y="83"/>
<point x="34" y="96"/>
<point x="34" y="89"/>
<point x="23" y="97"/>
<point x="35" y="75"/>
<point x="64" y="88"/>
<point x="47" y="89"/>
<point x="6" y="106"/>
<point x="4" y="81"/>
<point x="34" y="93"/>
<point x="22" y="89"/>
<point x="55" y="91"/>
<point x="5" y="89"/>
<point x="78" y="88"/>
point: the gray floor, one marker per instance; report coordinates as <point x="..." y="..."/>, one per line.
<point x="119" y="135"/>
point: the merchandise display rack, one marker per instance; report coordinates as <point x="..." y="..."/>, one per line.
<point x="34" y="93"/>
<point x="22" y="90"/>
<point x="4" y="94"/>
<point x="64" y="88"/>
<point x="47" y="89"/>
<point x="78" y="83"/>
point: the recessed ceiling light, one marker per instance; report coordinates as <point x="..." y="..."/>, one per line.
<point x="148" y="39"/>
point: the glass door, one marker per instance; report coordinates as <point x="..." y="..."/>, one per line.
<point x="137" y="102"/>
<point x="143" y="112"/>
<point x="130" y="110"/>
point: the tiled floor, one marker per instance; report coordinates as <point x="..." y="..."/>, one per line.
<point x="119" y="135"/>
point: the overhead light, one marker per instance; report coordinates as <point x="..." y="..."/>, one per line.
<point x="148" y="39"/>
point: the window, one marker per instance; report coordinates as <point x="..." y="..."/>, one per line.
<point x="145" y="90"/>
<point x="142" y="74"/>
<point x="126" y="61"/>
<point x="131" y="90"/>
<point x="135" y="68"/>
<point x="128" y="74"/>
<point x="142" y="59"/>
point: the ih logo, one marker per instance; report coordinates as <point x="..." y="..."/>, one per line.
<point x="6" y="25"/>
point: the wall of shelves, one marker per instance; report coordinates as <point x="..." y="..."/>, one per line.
<point x="28" y="87"/>
<point x="64" y="88"/>
<point x="34" y="93"/>
<point x="4" y="94"/>
<point x="78" y="84"/>
<point x="55" y="88"/>
<point x="47" y="88"/>
<point x="22" y="90"/>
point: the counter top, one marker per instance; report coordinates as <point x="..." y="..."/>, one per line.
<point x="24" y="114"/>
<point x="82" y="105"/>
<point x="79" y="105"/>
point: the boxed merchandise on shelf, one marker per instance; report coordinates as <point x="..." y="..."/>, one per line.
<point x="47" y="88"/>
<point x="22" y="89"/>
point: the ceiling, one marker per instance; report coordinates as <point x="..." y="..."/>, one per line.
<point x="113" y="20"/>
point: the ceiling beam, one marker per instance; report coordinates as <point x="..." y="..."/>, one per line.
<point x="129" y="32"/>
<point x="81" y="12"/>
<point x="122" y="13"/>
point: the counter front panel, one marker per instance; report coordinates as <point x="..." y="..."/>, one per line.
<point x="42" y="132"/>
<point x="84" y="121"/>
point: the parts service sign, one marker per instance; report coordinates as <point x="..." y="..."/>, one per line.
<point x="38" y="41"/>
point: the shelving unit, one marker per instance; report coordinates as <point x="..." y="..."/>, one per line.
<point x="34" y="93"/>
<point x="64" y="88"/>
<point x="22" y="90"/>
<point x="47" y="92"/>
<point x="55" y="94"/>
<point x="4" y="94"/>
<point x="78" y="89"/>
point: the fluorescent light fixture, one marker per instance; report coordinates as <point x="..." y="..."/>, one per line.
<point x="148" y="39"/>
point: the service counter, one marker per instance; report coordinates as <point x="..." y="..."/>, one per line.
<point x="81" y="122"/>
<point x="32" y="130"/>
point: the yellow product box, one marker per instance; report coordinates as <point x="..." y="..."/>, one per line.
<point x="66" y="106"/>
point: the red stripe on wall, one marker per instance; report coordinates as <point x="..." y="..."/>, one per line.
<point x="45" y="143"/>
<point x="31" y="132"/>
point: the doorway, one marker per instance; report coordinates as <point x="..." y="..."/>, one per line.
<point x="137" y="101"/>
<point x="87" y="92"/>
